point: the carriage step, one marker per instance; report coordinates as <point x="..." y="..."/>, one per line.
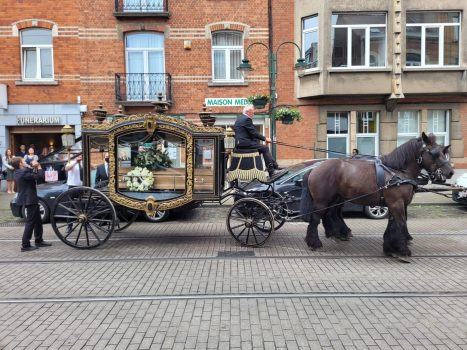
<point x="239" y="254"/>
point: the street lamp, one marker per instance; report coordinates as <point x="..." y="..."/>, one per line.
<point x="245" y="68"/>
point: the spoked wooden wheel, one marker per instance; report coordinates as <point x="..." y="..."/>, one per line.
<point x="125" y="217"/>
<point x="250" y="222"/>
<point x="278" y="207"/>
<point x="83" y="217"/>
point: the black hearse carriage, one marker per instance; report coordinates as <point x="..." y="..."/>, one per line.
<point x="156" y="162"/>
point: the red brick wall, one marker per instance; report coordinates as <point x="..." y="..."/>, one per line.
<point x="89" y="50"/>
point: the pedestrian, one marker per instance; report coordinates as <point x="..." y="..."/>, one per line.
<point x="22" y="151"/>
<point x="246" y="137"/>
<point x="30" y="157"/>
<point x="102" y="171"/>
<point x="10" y="176"/>
<point x="355" y="153"/>
<point x="74" y="170"/>
<point x="26" y="178"/>
<point x="2" y="177"/>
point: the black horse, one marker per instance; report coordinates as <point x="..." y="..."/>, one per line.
<point x="338" y="180"/>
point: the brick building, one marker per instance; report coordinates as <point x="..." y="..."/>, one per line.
<point x="61" y="58"/>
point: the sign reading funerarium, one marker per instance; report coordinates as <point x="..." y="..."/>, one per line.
<point x="38" y="120"/>
<point x="226" y="102"/>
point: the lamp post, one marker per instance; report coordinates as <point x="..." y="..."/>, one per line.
<point x="245" y="68"/>
<point x="68" y="138"/>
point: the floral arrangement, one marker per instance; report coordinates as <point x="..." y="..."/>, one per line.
<point x="288" y="113"/>
<point x="139" y="179"/>
<point x="257" y="97"/>
<point x="152" y="159"/>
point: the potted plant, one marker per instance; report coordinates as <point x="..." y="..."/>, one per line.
<point x="288" y="115"/>
<point x="258" y="101"/>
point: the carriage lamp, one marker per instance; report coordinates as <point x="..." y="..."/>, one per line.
<point x="229" y="139"/>
<point x="68" y="137"/>
<point x="100" y="113"/>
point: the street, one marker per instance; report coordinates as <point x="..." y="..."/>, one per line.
<point x="187" y="284"/>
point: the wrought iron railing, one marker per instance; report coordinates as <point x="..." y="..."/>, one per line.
<point x="141" y="6"/>
<point x="140" y="87"/>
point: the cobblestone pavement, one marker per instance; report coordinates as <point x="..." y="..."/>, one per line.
<point x="187" y="285"/>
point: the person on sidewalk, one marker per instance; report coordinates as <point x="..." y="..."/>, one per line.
<point x="10" y="176"/>
<point x="74" y="170"/>
<point x="246" y="137"/>
<point x="26" y="179"/>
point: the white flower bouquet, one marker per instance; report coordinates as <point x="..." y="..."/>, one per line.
<point x="139" y="179"/>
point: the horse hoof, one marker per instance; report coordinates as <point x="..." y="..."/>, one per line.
<point x="409" y="242"/>
<point x="344" y="238"/>
<point x="402" y="258"/>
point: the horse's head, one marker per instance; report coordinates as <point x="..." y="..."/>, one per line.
<point x="433" y="157"/>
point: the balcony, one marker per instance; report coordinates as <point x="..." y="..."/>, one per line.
<point x="141" y="8"/>
<point x="139" y="89"/>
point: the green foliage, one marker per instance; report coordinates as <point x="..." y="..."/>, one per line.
<point x="257" y="97"/>
<point x="283" y="111"/>
<point x="152" y="159"/>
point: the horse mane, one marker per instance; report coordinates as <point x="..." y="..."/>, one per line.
<point x="403" y="155"/>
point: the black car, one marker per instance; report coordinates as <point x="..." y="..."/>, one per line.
<point x="47" y="192"/>
<point x="290" y="186"/>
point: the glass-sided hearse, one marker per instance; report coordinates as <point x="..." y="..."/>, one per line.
<point x="156" y="163"/>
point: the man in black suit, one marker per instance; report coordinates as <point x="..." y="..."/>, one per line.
<point x="102" y="171"/>
<point x="246" y="137"/>
<point x="26" y="179"/>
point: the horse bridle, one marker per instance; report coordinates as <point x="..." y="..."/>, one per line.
<point x="435" y="154"/>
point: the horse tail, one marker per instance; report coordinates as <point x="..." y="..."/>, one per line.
<point x="306" y="201"/>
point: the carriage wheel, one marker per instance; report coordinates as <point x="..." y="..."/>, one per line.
<point x="278" y="207"/>
<point x="83" y="217"/>
<point x="250" y="222"/>
<point x="125" y="217"/>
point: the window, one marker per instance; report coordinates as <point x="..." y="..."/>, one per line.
<point x="438" y="124"/>
<point x="408" y="126"/>
<point x="367" y="133"/>
<point x="145" y="76"/>
<point x="432" y="39"/>
<point x="337" y="134"/>
<point x="143" y="5"/>
<point x="227" y="52"/>
<point x="37" y="54"/>
<point x="359" y="40"/>
<point x="310" y="41"/>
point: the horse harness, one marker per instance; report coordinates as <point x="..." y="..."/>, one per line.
<point x="394" y="180"/>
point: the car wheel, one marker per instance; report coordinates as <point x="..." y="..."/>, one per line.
<point x="376" y="212"/>
<point x="158" y="216"/>
<point x="43" y="210"/>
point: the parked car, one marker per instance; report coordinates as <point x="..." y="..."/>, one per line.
<point x="290" y="186"/>
<point x="47" y="192"/>
<point x="460" y="195"/>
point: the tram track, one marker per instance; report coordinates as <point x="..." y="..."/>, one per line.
<point x="217" y="258"/>
<point x="315" y="295"/>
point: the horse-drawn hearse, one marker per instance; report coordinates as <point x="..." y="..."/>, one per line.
<point x="157" y="162"/>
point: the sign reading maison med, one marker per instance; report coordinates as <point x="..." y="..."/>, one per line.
<point x="226" y="102"/>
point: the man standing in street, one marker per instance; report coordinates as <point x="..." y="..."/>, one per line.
<point x="26" y="179"/>
<point x="246" y="137"/>
<point x="74" y="169"/>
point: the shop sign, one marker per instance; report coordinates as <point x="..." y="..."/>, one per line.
<point x="226" y="102"/>
<point x="38" y="120"/>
